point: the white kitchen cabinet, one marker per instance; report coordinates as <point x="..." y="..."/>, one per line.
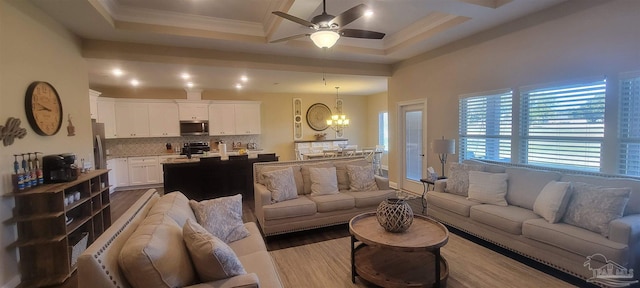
<point x="107" y="116"/>
<point x="247" y="118"/>
<point x="132" y="119"/>
<point x="193" y="111"/>
<point x="121" y="167"/>
<point x="93" y="103"/>
<point x="143" y="170"/>
<point x="161" y="159"/>
<point x="222" y="119"/>
<point x="164" y="120"/>
<point x="113" y="178"/>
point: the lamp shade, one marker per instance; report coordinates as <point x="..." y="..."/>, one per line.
<point x="325" y="38"/>
<point x="444" y="146"/>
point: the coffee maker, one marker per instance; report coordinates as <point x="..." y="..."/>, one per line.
<point x="59" y="168"/>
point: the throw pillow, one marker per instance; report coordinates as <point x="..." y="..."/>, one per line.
<point x="489" y="188"/>
<point x="592" y="207"/>
<point x="458" y="181"/>
<point x="552" y="201"/>
<point x="343" y="174"/>
<point x="323" y="181"/>
<point x="281" y="184"/>
<point x="361" y="178"/>
<point x="222" y="217"/>
<point x="212" y="258"/>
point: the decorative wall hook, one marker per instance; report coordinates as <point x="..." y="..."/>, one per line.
<point x="11" y="131"/>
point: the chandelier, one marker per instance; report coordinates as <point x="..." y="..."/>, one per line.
<point x="338" y="121"/>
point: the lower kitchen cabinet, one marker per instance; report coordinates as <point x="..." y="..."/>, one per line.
<point x="122" y="171"/>
<point x="143" y="170"/>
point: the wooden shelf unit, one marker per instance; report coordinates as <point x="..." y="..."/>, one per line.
<point x="44" y="236"/>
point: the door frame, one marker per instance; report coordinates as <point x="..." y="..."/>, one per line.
<point x="400" y="161"/>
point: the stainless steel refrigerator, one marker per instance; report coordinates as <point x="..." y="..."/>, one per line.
<point x="99" y="154"/>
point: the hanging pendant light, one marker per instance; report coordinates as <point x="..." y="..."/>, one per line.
<point x="338" y="121"/>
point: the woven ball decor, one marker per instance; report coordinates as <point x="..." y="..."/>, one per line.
<point x="394" y="215"/>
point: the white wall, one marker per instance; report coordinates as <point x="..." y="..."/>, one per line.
<point x="579" y="39"/>
<point x="33" y="47"/>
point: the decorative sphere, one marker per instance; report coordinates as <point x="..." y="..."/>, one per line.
<point x="394" y="215"/>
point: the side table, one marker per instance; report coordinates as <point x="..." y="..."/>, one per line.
<point x="425" y="184"/>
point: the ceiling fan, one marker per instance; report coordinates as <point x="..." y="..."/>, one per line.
<point x="329" y="28"/>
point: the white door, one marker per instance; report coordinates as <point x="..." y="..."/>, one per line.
<point x="413" y="146"/>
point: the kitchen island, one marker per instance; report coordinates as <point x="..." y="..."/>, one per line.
<point x="210" y="177"/>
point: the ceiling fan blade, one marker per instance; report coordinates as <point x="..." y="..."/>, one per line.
<point x="357" y="33"/>
<point x="289" y="38"/>
<point x="349" y="16"/>
<point x="295" y="19"/>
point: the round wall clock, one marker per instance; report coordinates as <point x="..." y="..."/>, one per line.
<point x="317" y="116"/>
<point x="43" y="107"/>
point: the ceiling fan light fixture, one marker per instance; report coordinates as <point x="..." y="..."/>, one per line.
<point x="325" y="38"/>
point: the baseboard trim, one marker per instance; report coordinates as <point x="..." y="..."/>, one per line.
<point x="393" y="185"/>
<point x="13" y="283"/>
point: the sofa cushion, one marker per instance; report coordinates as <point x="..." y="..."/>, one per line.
<point x="300" y="206"/>
<point x="281" y="184"/>
<point x="174" y="204"/>
<point x="250" y="244"/>
<point x="458" y="181"/>
<point x="297" y="174"/>
<point x="525" y="185"/>
<point x="323" y="181"/>
<point x="155" y="255"/>
<point x="212" y="258"/>
<point x="450" y="202"/>
<point x="593" y="207"/>
<point x="633" y="206"/>
<point x="575" y="239"/>
<point x="341" y="171"/>
<point x="222" y="217"/>
<point x="370" y="198"/>
<point x="508" y="219"/>
<point x="334" y="202"/>
<point x="262" y="265"/>
<point x="361" y="178"/>
<point x="552" y="201"/>
<point x="306" y="176"/>
<point x="488" y="188"/>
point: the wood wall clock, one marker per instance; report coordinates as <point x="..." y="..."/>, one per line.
<point x="317" y="116"/>
<point x="43" y="107"/>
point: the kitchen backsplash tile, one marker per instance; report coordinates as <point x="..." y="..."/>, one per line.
<point x="157" y="146"/>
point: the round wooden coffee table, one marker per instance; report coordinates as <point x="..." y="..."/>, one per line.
<point x="408" y="259"/>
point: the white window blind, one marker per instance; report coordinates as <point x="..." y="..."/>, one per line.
<point x="485" y="127"/>
<point x="629" y="127"/>
<point x="563" y="126"/>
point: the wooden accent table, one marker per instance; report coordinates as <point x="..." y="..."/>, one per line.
<point x="398" y="259"/>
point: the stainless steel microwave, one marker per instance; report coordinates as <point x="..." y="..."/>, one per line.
<point x="195" y="127"/>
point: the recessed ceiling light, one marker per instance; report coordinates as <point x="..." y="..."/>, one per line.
<point x="238" y="86"/>
<point x="189" y="84"/>
<point x="117" y="72"/>
<point x="185" y="76"/>
<point x="134" y="82"/>
<point x="244" y="78"/>
<point x="368" y="13"/>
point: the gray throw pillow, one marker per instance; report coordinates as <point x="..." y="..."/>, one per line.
<point x="361" y="178"/>
<point x="458" y="181"/>
<point x="552" y="201"/>
<point x="222" y="217"/>
<point x="592" y="207"/>
<point x="281" y="184"/>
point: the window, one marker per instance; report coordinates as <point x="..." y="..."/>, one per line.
<point x="563" y="126"/>
<point x="629" y="129"/>
<point x="383" y="130"/>
<point x="485" y="126"/>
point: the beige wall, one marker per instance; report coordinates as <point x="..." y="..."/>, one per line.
<point x="573" y="41"/>
<point x="377" y="103"/>
<point x="35" y="48"/>
<point x="277" y="113"/>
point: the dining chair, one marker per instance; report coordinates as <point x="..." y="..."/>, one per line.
<point x="368" y="153"/>
<point x="348" y="152"/>
<point x="331" y="153"/>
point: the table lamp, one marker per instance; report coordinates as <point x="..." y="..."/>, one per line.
<point x="443" y="147"/>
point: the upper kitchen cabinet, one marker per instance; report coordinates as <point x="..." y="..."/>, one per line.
<point x="107" y="114"/>
<point x="247" y="116"/>
<point x="222" y="119"/>
<point x="164" y="120"/>
<point x="193" y="111"/>
<point x="93" y="103"/>
<point x="132" y="119"/>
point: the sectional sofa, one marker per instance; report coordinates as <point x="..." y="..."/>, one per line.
<point x="516" y="224"/>
<point x="307" y="211"/>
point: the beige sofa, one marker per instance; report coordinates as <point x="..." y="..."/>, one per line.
<point x="98" y="265"/>
<point x="306" y="211"/>
<point x="517" y="228"/>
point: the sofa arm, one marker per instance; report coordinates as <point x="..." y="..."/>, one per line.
<point x="626" y="230"/>
<point x="382" y="182"/>
<point x="440" y="185"/>
<point x="261" y="196"/>
<point x="249" y="280"/>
